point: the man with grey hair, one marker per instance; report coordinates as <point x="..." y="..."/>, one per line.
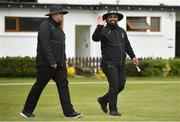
<point x="50" y="63"/>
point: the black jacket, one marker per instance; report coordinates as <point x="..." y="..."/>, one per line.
<point x="51" y="44"/>
<point x="114" y="44"/>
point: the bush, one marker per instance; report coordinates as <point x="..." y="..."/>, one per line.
<point x="131" y="69"/>
<point x="17" y="67"/>
<point x="153" y="67"/>
<point x="25" y="67"/>
<point x="175" y="67"/>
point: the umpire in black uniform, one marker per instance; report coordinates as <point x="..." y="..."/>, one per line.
<point x="50" y="62"/>
<point x="114" y="46"/>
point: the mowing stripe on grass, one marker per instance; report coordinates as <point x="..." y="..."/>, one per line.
<point x="97" y="121"/>
<point x="134" y="82"/>
<point x="93" y="121"/>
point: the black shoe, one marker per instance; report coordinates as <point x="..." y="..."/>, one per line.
<point x="102" y="104"/>
<point x="115" y="113"/>
<point x="74" y="115"/>
<point x="27" y="115"/>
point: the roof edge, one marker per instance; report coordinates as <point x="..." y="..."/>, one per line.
<point x="92" y="7"/>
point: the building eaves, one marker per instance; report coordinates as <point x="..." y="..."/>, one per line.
<point x="92" y="7"/>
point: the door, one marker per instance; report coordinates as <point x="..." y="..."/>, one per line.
<point x="82" y="41"/>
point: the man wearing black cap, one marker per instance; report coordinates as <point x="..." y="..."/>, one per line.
<point x="50" y="62"/>
<point x="114" y="46"/>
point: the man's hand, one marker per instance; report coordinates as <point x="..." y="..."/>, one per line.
<point x="135" y="61"/>
<point x="100" y="20"/>
<point x="54" y="66"/>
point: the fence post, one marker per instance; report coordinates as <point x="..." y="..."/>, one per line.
<point x="97" y="64"/>
<point x="94" y="65"/>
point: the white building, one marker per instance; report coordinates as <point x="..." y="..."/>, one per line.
<point x="153" y="27"/>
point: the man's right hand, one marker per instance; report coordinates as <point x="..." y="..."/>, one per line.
<point x="100" y="20"/>
<point x="54" y="66"/>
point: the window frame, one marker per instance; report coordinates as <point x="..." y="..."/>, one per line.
<point x="152" y="29"/>
<point x="137" y="19"/>
<point x="17" y="24"/>
<point x="17" y="28"/>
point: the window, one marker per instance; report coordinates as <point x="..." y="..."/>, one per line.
<point x="11" y="23"/>
<point x="137" y="24"/>
<point x="29" y="24"/>
<point x="20" y="24"/>
<point x="24" y="24"/>
<point x="141" y="24"/>
<point x="155" y="24"/>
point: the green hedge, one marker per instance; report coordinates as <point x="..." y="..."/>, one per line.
<point x="25" y="67"/>
<point x="175" y="67"/>
<point x="17" y="67"/>
<point x="154" y="67"/>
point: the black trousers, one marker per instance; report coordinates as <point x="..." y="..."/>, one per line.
<point x="44" y="74"/>
<point x="116" y="79"/>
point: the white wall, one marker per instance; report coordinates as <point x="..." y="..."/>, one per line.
<point x="52" y="1"/>
<point x="155" y="44"/>
<point x="24" y="44"/>
<point x="130" y="2"/>
<point x="74" y="18"/>
<point x="18" y="43"/>
<point x="144" y="44"/>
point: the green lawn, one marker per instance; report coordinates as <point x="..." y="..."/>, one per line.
<point x="144" y="99"/>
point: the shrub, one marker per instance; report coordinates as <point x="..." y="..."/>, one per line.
<point x="154" y="67"/>
<point x="25" y="67"/>
<point x="175" y="67"/>
<point x="17" y="67"/>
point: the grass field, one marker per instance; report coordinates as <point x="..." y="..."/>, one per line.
<point x="144" y="99"/>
